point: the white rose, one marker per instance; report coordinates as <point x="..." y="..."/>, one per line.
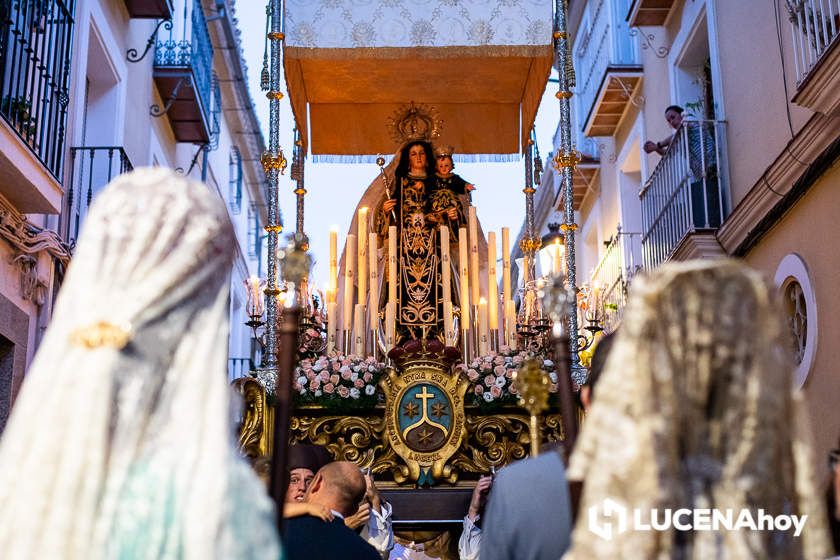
<point x="317" y="367"/>
<point x="354" y="393"/>
<point x="302" y="380"/>
<point x="370" y="390"/>
<point x="354" y="375"/>
<point x="553" y="376"/>
<point x="487" y="397"/>
<point x="318" y="393"/>
<point x="548" y="363"/>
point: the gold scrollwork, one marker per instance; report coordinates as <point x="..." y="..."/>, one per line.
<point x="272" y="162"/>
<point x="347" y="438"/>
<point x="529" y="245"/>
<point x="566" y="159"/>
<point x="253" y="436"/>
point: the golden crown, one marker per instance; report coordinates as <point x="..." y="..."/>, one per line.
<point x="414" y="122"/>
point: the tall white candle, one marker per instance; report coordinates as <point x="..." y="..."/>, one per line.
<point x="363" y="255"/>
<point x="506" y="293"/>
<point x="449" y="337"/>
<point x="331" y="327"/>
<point x="333" y="286"/>
<point x="390" y="324"/>
<point x="392" y="264"/>
<point x="492" y="283"/>
<point x="349" y="277"/>
<point x="445" y="270"/>
<point x="510" y="323"/>
<point x="463" y="259"/>
<point x="359" y="334"/>
<point x="557" y="260"/>
<point x="483" y="339"/>
<point x="475" y="283"/>
<point x="373" y="302"/>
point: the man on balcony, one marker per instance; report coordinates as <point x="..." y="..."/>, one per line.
<point x="694" y="143"/>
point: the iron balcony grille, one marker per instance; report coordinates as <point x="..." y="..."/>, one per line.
<point x="35" y="48"/>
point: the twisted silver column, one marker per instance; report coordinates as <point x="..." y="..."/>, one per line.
<point x="565" y="162"/>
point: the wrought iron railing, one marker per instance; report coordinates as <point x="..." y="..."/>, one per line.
<point x="92" y="167"/>
<point x="605" y="42"/>
<point x="815" y="25"/>
<point x="613" y="274"/>
<point x="686" y="192"/>
<point x="187" y="44"/>
<point x="36" y="38"/>
<point x="239" y="367"/>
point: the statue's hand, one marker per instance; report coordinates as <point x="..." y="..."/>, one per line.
<point x="389" y="205"/>
<point x="452" y="213"/>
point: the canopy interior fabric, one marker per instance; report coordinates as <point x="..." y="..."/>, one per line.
<point x="482" y="65"/>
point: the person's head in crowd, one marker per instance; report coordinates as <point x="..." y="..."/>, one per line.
<point x="674" y="116"/>
<point x="304" y="461"/>
<point x="696" y="406"/>
<point x="338" y="486"/>
<point x="599" y="359"/>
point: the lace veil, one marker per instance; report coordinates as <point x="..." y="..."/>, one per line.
<point x="119" y="444"/>
<point x="695" y="409"/>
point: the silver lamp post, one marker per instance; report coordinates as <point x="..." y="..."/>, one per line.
<point x="565" y="162"/>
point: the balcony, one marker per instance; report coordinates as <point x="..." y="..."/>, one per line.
<point x="183" y="75"/>
<point x="613" y="274"/>
<point x="649" y="12"/>
<point x="35" y="45"/>
<point x="684" y="200"/>
<point x="815" y="27"/>
<point x="239" y="367"/>
<point x="92" y="167"/>
<point x="149" y="9"/>
<point x="609" y="68"/>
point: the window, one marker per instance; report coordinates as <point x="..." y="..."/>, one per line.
<point x="253" y="230"/>
<point x="800" y="306"/>
<point x="235" y="180"/>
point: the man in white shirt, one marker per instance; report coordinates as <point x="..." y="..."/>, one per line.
<point x="470" y="542"/>
<point x="374" y="518"/>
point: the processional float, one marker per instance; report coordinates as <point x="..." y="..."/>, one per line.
<point x="412" y="363"/>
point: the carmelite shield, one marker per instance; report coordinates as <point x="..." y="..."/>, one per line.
<point x="424" y="418"/>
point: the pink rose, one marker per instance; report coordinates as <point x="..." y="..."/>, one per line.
<point x="336" y="366"/>
<point x="296" y="386"/>
<point x="367" y="376"/>
<point x="329" y="388"/>
<point x="517" y="360"/>
<point x="324" y="376"/>
<point x="499" y="370"/>
<point x="513" y="390"/>
<point x="343" y="392"/>
<point x="334" y="378"/>
<point x="359" y="383"/>
<point x="345" y="363"/>
<point x="499" y="360"/>
<point x="496" y="392"/>
<point x="489" y="380"/>
<point x="346" y="373"/>
<point x="310" y="375"/>
<point x="478" y="390"/>
<point x="552" y="388"/>
<point x="509" y="373"/>
<point x="472" y="374"/>
<point x="314" y="384"/>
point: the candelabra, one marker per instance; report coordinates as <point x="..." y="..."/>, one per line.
<point x="590" y="309"/>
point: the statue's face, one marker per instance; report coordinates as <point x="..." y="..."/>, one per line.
<point x="444" y="165"/>
<point x="417" y="157"/>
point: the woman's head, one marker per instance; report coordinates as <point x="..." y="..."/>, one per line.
<point x="416" y="158"/>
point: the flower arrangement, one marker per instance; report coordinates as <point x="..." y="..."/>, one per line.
<point x="491" y="377"/>
<point x="337" y="381"/>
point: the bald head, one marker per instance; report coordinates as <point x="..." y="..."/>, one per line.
<point x="339" y="486"/>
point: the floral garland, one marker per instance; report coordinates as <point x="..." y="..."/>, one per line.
<point x="491" y="376"/>
<point x="338" y="381"/>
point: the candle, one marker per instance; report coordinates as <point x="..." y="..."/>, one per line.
<point x="333" y="285"/>
<point x="349" y="273"/>
<point x="390" y="324"/>
<point x="506" y="293"/>
<point x="255" y="301"/>
<point x="362" y="273"/>
<point x="492" y="282"/>
<point x="359" y="329"/>
<point x="556" y="258"/>
<point x="449" y="337"/>
<point x="463" y="258"/>
<point x="475" y="285"/>
<point x="510" y="323"/>
<point x="373" y="303"/>
<point x="331" y="327"/>
<point x="392" y="264"/>
<point x="483" y="340"/>
<point x="445" y="270"/>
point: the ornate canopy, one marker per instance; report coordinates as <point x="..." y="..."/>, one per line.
<point x="351" y="65"/>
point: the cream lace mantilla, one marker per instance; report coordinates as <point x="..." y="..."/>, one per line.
<point x="695" y="410"/>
